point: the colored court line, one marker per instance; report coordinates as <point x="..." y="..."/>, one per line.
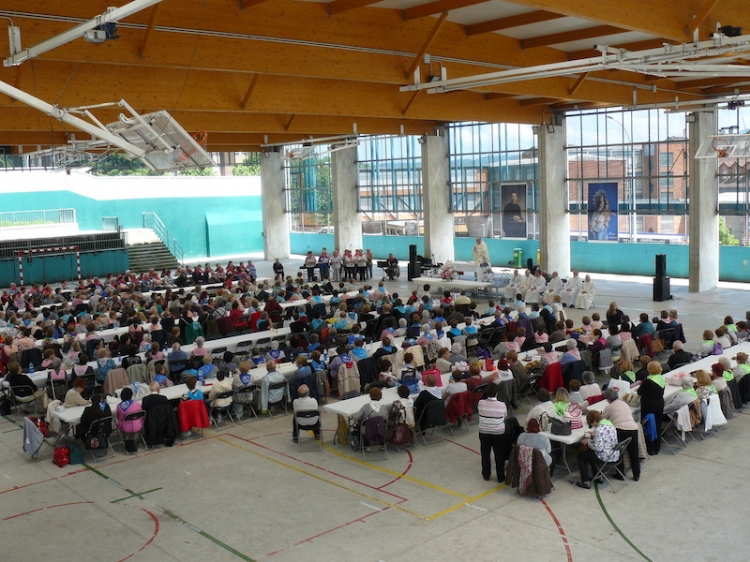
<point x="397" y="475"/>
<point x="407" y="469"/>
<point x="134" y="495"/>
<point x="175" y="517"/>
<point x="615" y="527"/>
<point x="336" y="484"/>
<point x="559" y="529"/>
<point x="323" y="469"/>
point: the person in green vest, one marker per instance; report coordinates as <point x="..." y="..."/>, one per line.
<point x="681" y="398"/>
<point x="742" y="368"/>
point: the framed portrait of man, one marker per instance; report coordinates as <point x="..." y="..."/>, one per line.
<point x="513" y="200"/>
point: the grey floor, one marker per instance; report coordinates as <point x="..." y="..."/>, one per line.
<point x="249" y="493"/>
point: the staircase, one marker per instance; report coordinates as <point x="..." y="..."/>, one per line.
<point x="155" y="255"/>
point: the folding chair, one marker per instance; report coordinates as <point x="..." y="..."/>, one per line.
<point x="100" y="448"/>
<point x="282" y="400"/>
<point x="477" y="393"/>
<point x="606" y="467"/>
<point x="130" y="418"/>
<point x="223" y="410"/>
<point x="304" y="427"/>
<point x="33" y="439"/>
<point x="434" y="416"/>
<point x="244" y="348"/>
<point x="240" y="396"/>
<point x="375" y="426"/>
<point x="23" y="395"/>
<point x="671" y="432"/>
<point x="529" y="386"/>
<point x="263" y="344"/>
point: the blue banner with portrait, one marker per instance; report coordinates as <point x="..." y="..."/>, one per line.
<point x="603" y="205"/>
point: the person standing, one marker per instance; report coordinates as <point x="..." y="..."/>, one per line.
<point x="370" y="258"/>
<point x="310" y="263"/>
<point x="481" y="252"/>
<point x="324" y="264"/>
<point x="335" y="263"/>
<point x="492" y="436"/>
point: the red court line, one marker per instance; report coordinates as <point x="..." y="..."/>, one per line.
<point x="407" y="469"/>
<point x="310" y="539"/>
<point x="311" y="465"/>
<point x="559" y="529"/>
<point x="43" y="508"/>
<point x="43" y="481"/>
<point x="463" y="446"/>
<point x="157" y="528"/>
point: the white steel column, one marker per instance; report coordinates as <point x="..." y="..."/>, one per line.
<point x="703" y="202"/>
<point x="436" y="196"/>
<point x="347" y="219"/>
<point x="275" y="224"/>
<point x="554" y="222"/>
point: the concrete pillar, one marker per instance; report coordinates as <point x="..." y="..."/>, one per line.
<point x="554" y="221"/>
<point x="703" y="200"/>
<point x="275" y="223"/>
<point x="347" y="219"/>
<point x="436" y="197"/>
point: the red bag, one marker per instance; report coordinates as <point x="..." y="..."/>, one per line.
<point x="489" y="365"/>
<point x="42" y="424"/>
<point x="433" y="372"/>
<point x="61" y="456"/>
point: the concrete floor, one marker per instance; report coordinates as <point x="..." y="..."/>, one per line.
<point x="249" y="493"/>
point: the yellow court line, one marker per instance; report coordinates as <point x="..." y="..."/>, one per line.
<point x="338" y="485"/>
<point x="455" y="507"/>
<point x="399" y="475"/>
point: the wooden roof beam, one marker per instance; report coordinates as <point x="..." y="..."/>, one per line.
<point x="339" y="6"/>
<point x="578" y="82"/>
<point x="149" y="31"/>
<point x="538" y="101"/>
<point x="528" y="18"/>
<point x="426" y="45"/>
<point x="701" y="16"/>
<point x="437" y="7"/>
<point x="567" y="36"/>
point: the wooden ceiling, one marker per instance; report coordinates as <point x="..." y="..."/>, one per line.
<point x="246" y="69"/>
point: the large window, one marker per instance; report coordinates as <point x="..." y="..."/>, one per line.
<point x="643" y="155"/>
<point x="485" y="157"/>
<point x="309" y="191"/>
<point x="734" y="182"/>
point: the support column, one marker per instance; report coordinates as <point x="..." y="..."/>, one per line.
<point x="275" y="224"/>
<point x="554" y="221"/>
<point x="347" y="219"/>
<point x="703" y="213"/>
<point x="436" y="197"/>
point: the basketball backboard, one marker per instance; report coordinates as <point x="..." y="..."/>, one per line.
<point x="724" y="146"/>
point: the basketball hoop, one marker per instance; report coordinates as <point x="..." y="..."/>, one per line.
<point x="721" y="146"/>
<point x="201" y="137"/>
<point x="300" y="153"/>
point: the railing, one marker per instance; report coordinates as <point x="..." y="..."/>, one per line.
<point x="86" y="243"/>
<point x="152" y="221"/>
<point x="33" y="218"/>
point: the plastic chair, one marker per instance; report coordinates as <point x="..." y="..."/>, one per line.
<point x="282" y="400"/>
<point x="130" y="418"/>
<point x="226" y="410"/>
<point x="304" y="427"/>
<point x="606" y="467"/>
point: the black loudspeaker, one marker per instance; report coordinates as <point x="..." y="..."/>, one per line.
<point x="661" y="289"/>
<point x="661" y="265"/>
<point x="413" y="266"/>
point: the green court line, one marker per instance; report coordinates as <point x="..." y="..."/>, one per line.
<point x="614" y="525"/>
<point x="134" y="495"/>
<point x="171" y="515"/>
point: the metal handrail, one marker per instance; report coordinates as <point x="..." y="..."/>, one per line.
<point x="152" y="221"/>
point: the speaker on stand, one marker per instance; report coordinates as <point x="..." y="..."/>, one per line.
<point x="661" y="280"/>
<point x="413" y="265"/>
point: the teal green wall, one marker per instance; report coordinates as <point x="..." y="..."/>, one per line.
<point x="229" y="229"/>
<point x="590" y="257"/>
<point x="54" y="268"/>
<point x="186" y="218"/>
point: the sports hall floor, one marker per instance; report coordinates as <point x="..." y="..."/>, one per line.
<point x="249" y="493"/>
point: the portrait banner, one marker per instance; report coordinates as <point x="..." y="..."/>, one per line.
<point x="514" y="210"/>
<point x="602" y="206"/>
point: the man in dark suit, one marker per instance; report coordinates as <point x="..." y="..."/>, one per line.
<point x="153" y="399"/>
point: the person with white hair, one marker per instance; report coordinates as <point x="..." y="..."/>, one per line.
<point x="538" y="286"/>
<point x="621" y="416"/>
<point x="586" y="296"/>
<point x="554" y="286"/>
<point x="679" y="356"/>
<point x="525" y="287"/>
<point x="570" y="292"/>
<point x="515" y="283"/>
<point x="682" y="397"/>
<point x="456" y="355"/>
<point x="481" y="253"/>
<point x="275" y="354"/>
<point x="590" y="386"/>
